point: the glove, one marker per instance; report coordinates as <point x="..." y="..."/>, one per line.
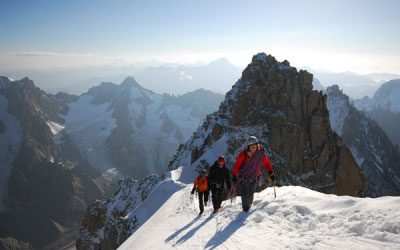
<point x="271" y="177"/>
<point x="193" y="191"/>
<point x="234" y="179"/>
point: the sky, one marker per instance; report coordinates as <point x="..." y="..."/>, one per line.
<point x="360" y="35"/>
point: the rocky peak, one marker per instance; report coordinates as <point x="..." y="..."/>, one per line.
<point x="4" y="82"/>
<point x="130" y="82"/>
<point x="103" y="93"/>
<point x="276" y="103"/>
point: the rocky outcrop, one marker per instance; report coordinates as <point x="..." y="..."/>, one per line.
<point x="276" y="103"/>
<point x="374" y="152"/>
<point x="107" y="224"/>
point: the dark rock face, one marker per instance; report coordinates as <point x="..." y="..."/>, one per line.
<point x="2" y="127"/>
<point x="374" y="152"/>
<point x="276" y="103"/>
<point x="49" y="186"/>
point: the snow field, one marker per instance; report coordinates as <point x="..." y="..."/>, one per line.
<point x="298" y="218"/>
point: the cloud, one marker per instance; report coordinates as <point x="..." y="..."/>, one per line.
<point x="41" y="53"/>
<point x="182" y="76"/>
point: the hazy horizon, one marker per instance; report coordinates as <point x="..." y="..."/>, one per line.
<point x="358" y="36"/>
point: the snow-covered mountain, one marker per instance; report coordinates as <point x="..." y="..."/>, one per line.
<point x="134" y="130"/>
<point x="384" y="107"/>
<point x="10" y="142"/>
<point x="45" y="185"/>
<point x="58" y="153"/>
<point x="271" y="101"/>
<point x="372" y="149"/>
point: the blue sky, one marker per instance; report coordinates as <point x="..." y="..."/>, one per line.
<point x="360" y="36"/>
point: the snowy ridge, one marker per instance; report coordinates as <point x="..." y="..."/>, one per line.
<point x="298" y="218"/>
<point x="133" y="203"/>
<point x="10" y="142"/>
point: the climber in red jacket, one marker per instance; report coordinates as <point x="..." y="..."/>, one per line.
<point x="247" y="167"/>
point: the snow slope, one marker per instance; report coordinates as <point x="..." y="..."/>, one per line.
<point x="89" y="125"/>
<point x="298" y="218"/>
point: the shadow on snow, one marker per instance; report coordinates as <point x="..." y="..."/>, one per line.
<point x="189" y="234"/>
<point x="224" y="234"/>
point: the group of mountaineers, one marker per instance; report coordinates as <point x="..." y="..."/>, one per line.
<point x="245" y="177"/>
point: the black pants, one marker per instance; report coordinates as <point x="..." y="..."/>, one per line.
<point x="217" y="197"/>
<point x="202" y="195"/>
<point x="247" y="192"/>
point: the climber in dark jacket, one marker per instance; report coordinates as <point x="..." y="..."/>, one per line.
<point x="218" y="178"/>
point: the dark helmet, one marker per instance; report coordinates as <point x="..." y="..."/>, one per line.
<point x="221" y="159"/>
<point x="203" y="172"/>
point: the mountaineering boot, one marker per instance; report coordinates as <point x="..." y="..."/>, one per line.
<point x="246" y="209"/>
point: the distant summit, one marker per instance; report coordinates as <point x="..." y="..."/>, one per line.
<point x="216" y="76"/>
<point x="384" y="108"/>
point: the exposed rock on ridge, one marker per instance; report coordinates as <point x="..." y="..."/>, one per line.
<point x="107" y="224"/>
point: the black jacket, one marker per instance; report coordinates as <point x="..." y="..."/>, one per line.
<point x="218" y="176"/>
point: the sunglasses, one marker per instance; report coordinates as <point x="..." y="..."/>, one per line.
<point x="253" y="146"/>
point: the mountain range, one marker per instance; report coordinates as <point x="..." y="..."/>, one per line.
<point x="59" y="153"/>
<point x="272" y="101"/>
<point x="354" y="85"/>
<point x="171" y="78"/>
<point x="384" y="108"/>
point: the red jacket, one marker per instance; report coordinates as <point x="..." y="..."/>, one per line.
<point x="239" y="161"/>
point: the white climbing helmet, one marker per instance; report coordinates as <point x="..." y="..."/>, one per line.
<point x="252" y="140"/>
